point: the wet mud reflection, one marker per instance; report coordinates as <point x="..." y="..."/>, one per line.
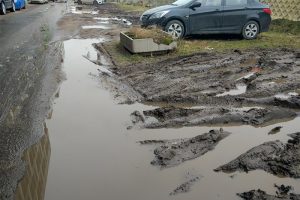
<point x="32" y="186"/>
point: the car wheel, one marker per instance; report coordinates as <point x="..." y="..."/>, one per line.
<point x="98" y="2"/>
<point x="3" y="9"/>
<point x="175" y="28"/>
<point x="250" y="30"/>
<point x="13" y="8"/>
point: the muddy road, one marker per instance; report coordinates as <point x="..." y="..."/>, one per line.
<point x="28" y="78"/>
<point x="88" y="127"/>
<point x="167" y="125"/>
<point x="209" y="125"/>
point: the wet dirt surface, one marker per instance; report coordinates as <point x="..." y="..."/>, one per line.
<point x="28" y="77"/>
<point x="105" y="114"/>
<point x="90" y="22"/>
<point x="98" y="128"/>
<point x="203" y="78"/>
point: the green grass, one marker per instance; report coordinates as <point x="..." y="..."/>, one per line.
<point x="264" y="41"/>
<point x="158" y="36"/>
<point x="285" y="26"/>
<point x="282" y="34"/>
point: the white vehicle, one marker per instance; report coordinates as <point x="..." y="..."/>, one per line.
<point x="91" y="2"/>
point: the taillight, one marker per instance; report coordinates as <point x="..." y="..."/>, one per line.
<point x="268" y="11"/>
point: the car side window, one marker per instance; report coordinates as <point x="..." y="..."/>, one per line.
<point x="213" y="3"/>
<point x="236" y="2"/>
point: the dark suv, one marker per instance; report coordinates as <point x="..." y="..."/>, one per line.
<point x="7" y="4"/>
<point x="187" y="17"/>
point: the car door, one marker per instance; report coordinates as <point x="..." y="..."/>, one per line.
<point x="234" y="15"/>
<point x="206" y="18"/>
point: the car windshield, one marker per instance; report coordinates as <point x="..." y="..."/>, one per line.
<point x="181" y="2"/>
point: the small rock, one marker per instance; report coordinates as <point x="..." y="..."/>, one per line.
<point x="238" y="51"/>
<point x="275" y="130"/>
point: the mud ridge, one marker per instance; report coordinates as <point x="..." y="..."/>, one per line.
<point x="185" y="187"/>
<point x="174" y="152"/>
<point x="199" y="78"/>
<point x="282" y="193"/>
<point x="179" y="117"/>
<point x="274" y="157"/>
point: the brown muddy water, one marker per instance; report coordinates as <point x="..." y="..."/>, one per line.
<point x="94" y="156"/>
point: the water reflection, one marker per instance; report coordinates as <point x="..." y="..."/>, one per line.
<point x="32" y="185"/>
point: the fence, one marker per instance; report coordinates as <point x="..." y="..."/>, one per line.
<point x="285" y="9"/>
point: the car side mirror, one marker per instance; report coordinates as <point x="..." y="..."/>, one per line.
<point x="195" y="5"/>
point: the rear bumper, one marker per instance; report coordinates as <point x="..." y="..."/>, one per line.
<point x="265" y="22"/>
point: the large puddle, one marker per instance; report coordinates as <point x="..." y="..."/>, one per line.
<point x="94" y="156"/>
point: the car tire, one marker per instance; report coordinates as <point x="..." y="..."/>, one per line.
<point x="250" y="30"/>
<point x="175" y="28"/>
<point x="97" y="2"/>
<point x="2" y="9"/>
<point x="13" y="8"/>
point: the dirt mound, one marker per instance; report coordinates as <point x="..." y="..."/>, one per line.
<point x="282" y="193"/>
<point x="174" y="152"/>
<point x="179" y="117"/>
<point x="273" y="157"/>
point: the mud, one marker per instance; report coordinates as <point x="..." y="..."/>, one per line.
<point x="253" y="87"/>
<point x="274" y="157"/>
<point x="204" y="78"/>
<point x="88" y="21"/>
<point x="283" y="192"/>
<point x="186" y="186"/>
<point x="28" y="78"/>
<point x="179" y="117"/>
<point x="174" y="152"/>
<point x="275" y="130"/>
